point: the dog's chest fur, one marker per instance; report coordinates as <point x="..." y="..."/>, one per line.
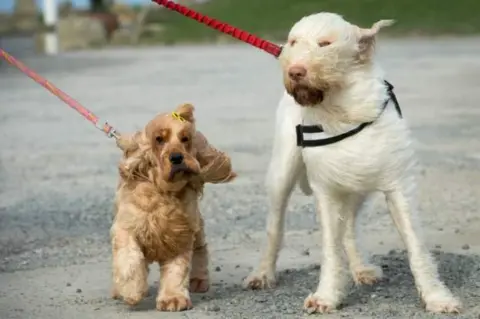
<point x="373" y="159"/>
<point x="163" y="225"/>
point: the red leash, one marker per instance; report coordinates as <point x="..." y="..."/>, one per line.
<point x="101" y="125"/>
<point x="235" y="32"/>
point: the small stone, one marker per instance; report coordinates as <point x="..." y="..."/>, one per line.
<point x="218" y="268"/>
<point x="78" y="290"/>
<point x="213" y="308"/>
<point x="466" y="247"/>
<point x="440" y="229"/>
<point x="69" y="284"/>
<point x="437" y="246"/>
<point x="306" y="252"/>
<point x="457" y="230"/>
<point x="381" y="242"/>
<point x="261" y="299"/>
<point x="237" y="266"/>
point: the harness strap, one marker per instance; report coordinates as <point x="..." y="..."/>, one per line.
<point x="301" y="129"/>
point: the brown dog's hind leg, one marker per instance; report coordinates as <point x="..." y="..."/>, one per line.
<point x="199" y="275"/>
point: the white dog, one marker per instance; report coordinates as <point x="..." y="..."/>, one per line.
<point x="335" y="88"/>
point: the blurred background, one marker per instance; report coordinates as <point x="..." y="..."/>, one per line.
<point x="84" y="24"/>
<point x="127" y="60"/>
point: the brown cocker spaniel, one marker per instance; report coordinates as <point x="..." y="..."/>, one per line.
<point x="157" y="217"/>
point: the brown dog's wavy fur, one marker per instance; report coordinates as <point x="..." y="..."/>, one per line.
<point x="157" y="219"/>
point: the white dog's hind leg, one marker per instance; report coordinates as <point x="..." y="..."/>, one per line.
<point x="436" y="296"/>
<point x="303" y="181"/>
<point x="334" y="273"/>
<point x="362" y="272"/>
<point x="281" y="177"/>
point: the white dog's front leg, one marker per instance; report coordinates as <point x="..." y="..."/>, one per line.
<point x="436" y="296"/>
<point x="334" y="273"/>
<point x="282" y="174"/>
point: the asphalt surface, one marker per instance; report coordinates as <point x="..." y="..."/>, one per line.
<point x="58" y="173"/>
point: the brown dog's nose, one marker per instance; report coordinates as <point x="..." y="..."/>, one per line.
<point x="176" y="158"/>
<point x="297" y="72"/>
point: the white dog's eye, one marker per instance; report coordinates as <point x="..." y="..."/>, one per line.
<point x="292" y="42"/>
<point x="324" y="43"/>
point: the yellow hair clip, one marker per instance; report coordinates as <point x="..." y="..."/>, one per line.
<point x="177" y="116"/>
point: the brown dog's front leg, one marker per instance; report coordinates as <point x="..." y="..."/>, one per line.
<point x="173" y="293"/>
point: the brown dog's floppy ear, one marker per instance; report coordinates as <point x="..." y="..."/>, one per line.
<point x="366" y="42"/>
<point x="186" y="112"/>
<point x="215" y="166"/>
<point x="129" y="143"/>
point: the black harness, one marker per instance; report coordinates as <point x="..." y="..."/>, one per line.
<point x="309" y="129"/>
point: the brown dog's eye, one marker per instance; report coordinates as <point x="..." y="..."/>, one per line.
<point x="184" y="139"/>
<point x="324" y="43"/>
<point x="159" y="139"/>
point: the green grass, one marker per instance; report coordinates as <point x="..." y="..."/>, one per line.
<point x="273" y="18"/>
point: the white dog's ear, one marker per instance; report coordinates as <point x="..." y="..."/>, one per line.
<point x="366" y="42"/>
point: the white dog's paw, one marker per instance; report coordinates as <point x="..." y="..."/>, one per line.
<point x="367" y="274"/>
<point x="315" y="303"/>
<point x="260" y="280"/>
<point x="443" y="302"/>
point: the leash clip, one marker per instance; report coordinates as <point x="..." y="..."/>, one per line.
<point x="106" y="128"/>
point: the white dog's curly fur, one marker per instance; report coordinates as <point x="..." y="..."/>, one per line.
<point x="332" y="79"/>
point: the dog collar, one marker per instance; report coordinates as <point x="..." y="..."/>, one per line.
<point x="301" y="130"/>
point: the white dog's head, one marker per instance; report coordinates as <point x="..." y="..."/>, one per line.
<point x="321" y="49"/>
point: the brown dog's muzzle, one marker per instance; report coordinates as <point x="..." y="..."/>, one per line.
<point x="180" y="164"/>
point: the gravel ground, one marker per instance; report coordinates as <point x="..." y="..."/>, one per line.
<point x="57" y="179"/>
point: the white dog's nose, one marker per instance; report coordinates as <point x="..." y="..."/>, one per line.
<point x="297" y="72"/>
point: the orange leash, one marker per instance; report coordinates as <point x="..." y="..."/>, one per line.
<point x="101" y="125"/>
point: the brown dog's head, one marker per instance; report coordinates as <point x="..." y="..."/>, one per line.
<point x="164" y="151"/>
<point x="171" y="137"/>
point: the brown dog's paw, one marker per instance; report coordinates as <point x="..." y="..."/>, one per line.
<point x="199" y="285"/>
<point x="316" y="304"/>
<point x="174" y="303"/>
<point x="133" y="301"/>
<point x="260" y="280"/>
